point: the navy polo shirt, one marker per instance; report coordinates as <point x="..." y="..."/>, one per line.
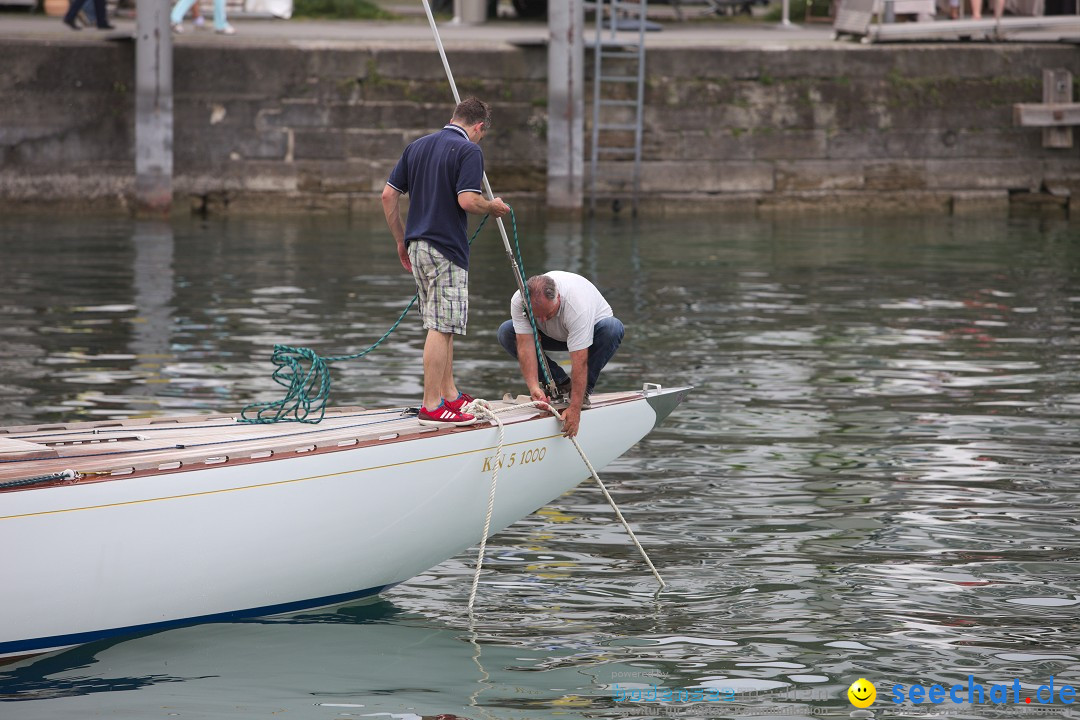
<point x="433" y="171"/>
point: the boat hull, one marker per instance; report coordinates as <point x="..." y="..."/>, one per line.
<point x="131" y="554"/>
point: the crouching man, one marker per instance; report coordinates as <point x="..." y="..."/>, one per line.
<point x="572" y="316"/>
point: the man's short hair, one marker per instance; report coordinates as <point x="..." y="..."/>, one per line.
<point x="541" y="286"/>
<point x="471" y="111"/>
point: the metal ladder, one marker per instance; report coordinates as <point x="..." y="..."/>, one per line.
<point x="610" y="97"/>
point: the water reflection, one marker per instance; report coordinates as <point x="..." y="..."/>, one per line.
<point x="153" y="281"/>
<point x="875" y="477"/>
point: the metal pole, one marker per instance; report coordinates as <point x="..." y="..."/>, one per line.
<point x="639" y="110"/>
<point x="552" y="390"/>
<point x="566" y="104"/>
<point x="598" y="52"/>
<point x="153" y="108"/>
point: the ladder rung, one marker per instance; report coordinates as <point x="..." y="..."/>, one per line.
<point x="619" y="103"/>
<point x="616" y="126"/>
<point x="615" y="151"/>
<point x="618" y="54"/>
<point x="618" y="78"/>
<point x="607" y="43"/>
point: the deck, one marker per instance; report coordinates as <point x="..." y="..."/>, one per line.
<point x="100" y="450"/>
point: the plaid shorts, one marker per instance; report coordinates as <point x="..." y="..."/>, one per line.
<point x="443" y="288"/>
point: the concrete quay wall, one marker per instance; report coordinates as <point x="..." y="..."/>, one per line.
<point x="310" y="125"/>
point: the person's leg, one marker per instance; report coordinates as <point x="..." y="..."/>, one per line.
<point x="73" y="10"/>
<point x="508" y="338"/>
<point x="88" y="13"/>
<point x="101" y="15"/>
<point x="607" y="336"/>
<point x="438" y="349"/>
<point x="449" y="387"/>
<point x="221" y="23"/>
<point x="443" y="290"/>
<point x="176" y="17"/>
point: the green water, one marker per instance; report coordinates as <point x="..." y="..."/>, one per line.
<point x="875" y="477"/>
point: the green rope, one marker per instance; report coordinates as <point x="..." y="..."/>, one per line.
<point x="65" y="475"/>
<point x="305" y="375"/>
<point x="528" y="304"/>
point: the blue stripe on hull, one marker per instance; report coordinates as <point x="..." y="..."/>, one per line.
<point x="45" y="644"/>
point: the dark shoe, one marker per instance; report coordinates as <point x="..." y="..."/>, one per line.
<point x="72" y="24"/>
<point x="443" y="415"/>
<point x="106" y="26"/>
<point x="564" y="386"/>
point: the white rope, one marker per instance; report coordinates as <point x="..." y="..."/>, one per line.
<point x="618" y="513"/>
<point x="484" y="410"/>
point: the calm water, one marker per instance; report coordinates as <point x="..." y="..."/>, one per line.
<point x="876" y="477"/>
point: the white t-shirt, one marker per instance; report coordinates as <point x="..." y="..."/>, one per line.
<point x="581" y="307"/>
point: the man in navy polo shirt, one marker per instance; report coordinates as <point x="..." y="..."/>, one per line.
<point x="443" y="175"/>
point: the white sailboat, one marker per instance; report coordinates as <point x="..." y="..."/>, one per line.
<point x="117" y="527"/>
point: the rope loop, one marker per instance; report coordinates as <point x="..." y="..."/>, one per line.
<point x="306" y="379"/>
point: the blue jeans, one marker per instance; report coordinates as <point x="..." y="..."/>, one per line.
<point x="607" y="335"/>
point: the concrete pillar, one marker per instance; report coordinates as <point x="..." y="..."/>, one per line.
<point x="153" y="108"/>
<point x="566" y="105"/>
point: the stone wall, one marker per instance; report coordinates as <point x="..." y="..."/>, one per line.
<point x="320" y="125"/>
<point x="928" y="125"/>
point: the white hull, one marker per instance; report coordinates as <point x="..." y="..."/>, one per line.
<point x="87" y="561"/>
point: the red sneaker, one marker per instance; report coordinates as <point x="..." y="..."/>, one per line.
<point x="444" y="415"/>
<point x="463" y="399"/>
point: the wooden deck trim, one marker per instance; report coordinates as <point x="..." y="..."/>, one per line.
<point x="186" y="444"/>
<point x="12" y="449"/>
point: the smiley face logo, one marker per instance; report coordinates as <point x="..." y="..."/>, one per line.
<point x="862" y="693"/>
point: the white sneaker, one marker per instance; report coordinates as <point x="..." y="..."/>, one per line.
<point x="199" y="22"/>
<point x="178" y="28"/>
<point x="227" y="30"/>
